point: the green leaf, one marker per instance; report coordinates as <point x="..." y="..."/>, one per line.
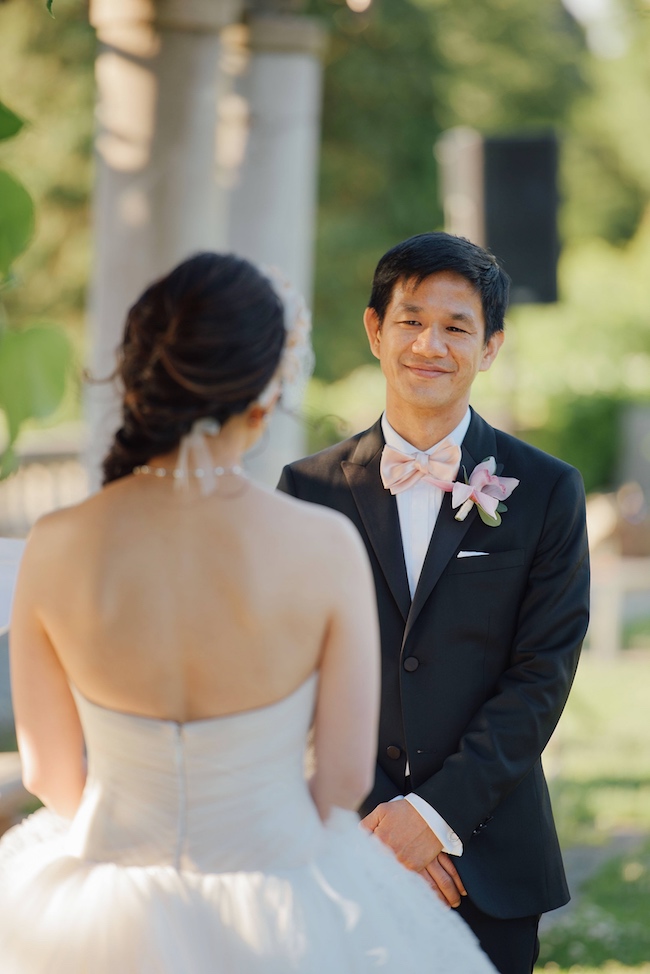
<point x="8" y="462"/>
<point x="16" y="221"/>
<point x="49" y="8"/>
<point x="33" y="371"/>
<point x="501" y="507"/>
<point x="10" y="123"/>
<point x="492" y="522"/>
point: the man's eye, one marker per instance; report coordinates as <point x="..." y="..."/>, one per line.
<point x="456" y="328"/>
<point x="411" y="322"/>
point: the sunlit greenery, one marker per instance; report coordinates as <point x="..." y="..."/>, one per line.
<point x="46" y="76"/>
<point x="395" y="78"/>
<point x="600" y="785"/>
<point x="43" y="203"/>
<point x="33" y="360"/>
<point x="609" y="922"/>
<point x="500" y="66"/>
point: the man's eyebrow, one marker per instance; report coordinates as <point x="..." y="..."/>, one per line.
<point x="412" y="308"/>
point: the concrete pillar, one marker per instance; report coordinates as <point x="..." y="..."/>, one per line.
<point x="459" y="152"/>
<point x="156" y="196"/>
<point x="274" y="192"/>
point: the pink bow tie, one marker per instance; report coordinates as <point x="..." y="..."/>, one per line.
<point x="399" y="471"/>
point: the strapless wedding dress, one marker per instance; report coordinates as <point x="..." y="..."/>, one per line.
<point x="197" y="850"/>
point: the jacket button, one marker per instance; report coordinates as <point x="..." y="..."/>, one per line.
<point x="411" y="664"/>
<point x="393" y="751"/>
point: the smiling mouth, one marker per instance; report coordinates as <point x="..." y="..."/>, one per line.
<point x="427" y="371"/>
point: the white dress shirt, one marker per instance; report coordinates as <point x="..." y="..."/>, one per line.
<point x="418" y="509"/>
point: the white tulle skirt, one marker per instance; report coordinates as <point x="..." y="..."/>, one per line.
<point x="351" y="909"/>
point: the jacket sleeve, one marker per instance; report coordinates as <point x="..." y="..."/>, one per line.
<point x="509" y="732"/>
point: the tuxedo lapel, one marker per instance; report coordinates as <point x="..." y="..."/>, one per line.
<point x="378" y="511"/>
<point x="479" y="443"/>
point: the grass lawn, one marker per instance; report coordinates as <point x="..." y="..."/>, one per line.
<point x="611" y="920"/>
<point x="599" y="766"/>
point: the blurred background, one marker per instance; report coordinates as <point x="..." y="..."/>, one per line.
<point x="314" y="135"/>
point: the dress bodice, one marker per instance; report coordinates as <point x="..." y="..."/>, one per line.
<point x="183" y="794"/>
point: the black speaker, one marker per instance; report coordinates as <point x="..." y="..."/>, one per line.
<point x="520" y="201"/>
<point x="502" y="193"/>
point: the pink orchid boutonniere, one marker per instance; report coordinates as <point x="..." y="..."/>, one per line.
<point x="485" y="490"/>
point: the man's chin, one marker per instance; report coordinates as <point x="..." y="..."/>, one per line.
<point x="428" y="402"/>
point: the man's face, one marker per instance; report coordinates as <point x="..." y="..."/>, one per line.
<point x="431" y="344"/>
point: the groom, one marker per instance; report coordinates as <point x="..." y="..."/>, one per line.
<point x="482" y="610"/>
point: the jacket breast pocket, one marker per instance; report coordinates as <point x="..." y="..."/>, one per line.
<point x="492" y="562"/>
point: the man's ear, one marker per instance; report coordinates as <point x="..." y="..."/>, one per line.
<point x="491" y="350"/>
<point x="372" y="324"/>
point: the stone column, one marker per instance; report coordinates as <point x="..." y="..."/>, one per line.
<point x="156" y="196"/>
<point x="459" y="152"/>
<point x="274" y="192"/>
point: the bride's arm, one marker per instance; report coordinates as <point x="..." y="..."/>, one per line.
<point x="50" y="739"/>
<point x="347" y="708"/>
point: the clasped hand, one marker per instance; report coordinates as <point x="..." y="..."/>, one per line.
<point x="401" y="827"/>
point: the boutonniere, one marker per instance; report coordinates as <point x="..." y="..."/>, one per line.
<point x="485" y="490"/>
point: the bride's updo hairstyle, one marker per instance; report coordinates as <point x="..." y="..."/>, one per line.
<point x="204" y="341"/>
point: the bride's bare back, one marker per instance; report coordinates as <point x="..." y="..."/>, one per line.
<point x="174" y="605"/>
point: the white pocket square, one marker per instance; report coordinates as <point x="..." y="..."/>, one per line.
<point x="471" y="554"/>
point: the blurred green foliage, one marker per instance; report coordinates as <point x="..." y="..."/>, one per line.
<point x="16" y="221"/>
<point x="399" y="75"/>
<point x="583" y="431"/>
<point x="53" y="156"/>
<point x="396" y="77"/>
<point x="46" y="279"/>
<point x="378" y="173"/>
<point x="34" y="360"/>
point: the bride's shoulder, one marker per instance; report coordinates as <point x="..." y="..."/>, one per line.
<point x="56" y="524"/>
<point x="53" y="546"/>
<point x="318" y="528"/>
<point x="320" y="517"/>
<point x="64" y="527"/>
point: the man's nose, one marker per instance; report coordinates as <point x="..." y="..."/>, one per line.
<point x="430" y="342"/>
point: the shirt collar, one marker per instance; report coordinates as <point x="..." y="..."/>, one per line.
<point x="398" y="442"/>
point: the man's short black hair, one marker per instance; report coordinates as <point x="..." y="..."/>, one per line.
<point x="428" y="253"/>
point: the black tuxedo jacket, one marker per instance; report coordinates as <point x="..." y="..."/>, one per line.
<point x="476" y="668"/>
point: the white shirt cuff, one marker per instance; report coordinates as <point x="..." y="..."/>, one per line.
<point x="451" y="844"/>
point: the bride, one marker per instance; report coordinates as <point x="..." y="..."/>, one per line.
<point x="184" y="627"/>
